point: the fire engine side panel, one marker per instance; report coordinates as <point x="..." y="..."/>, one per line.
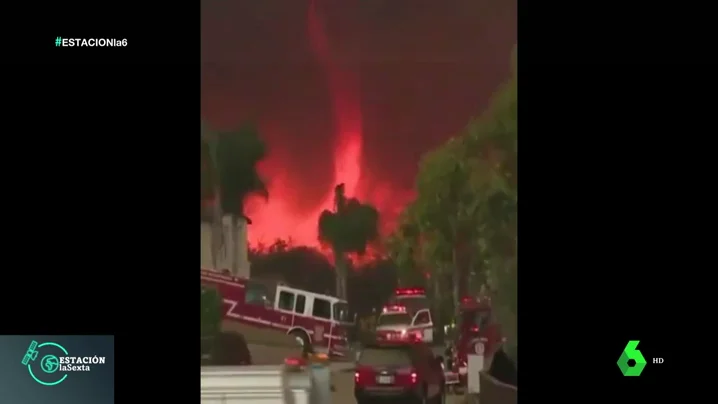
<point x="317" y="329"/>
<point x="489" y="337"/>
<point x="321" y="331"/>
<point x="493" y="339"/>
<point x="254" y="317"/>
<point x="268" y="324"/>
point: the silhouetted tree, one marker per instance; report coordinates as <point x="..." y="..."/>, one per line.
<point x="307" y="268"/>
<point x="302" y="267"/>
<point x="229" y="175"/>
<point x="348" y="229"/>
<point x="465" y="211"/>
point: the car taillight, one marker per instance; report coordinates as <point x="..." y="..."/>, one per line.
<point x="356" y="377"/>
<point x="294" y="362"/>
<point x="415" y="336"/>
<point x="413" y="377"/>
<point x="475" y="328"/>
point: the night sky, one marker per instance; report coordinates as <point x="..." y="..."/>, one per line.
<point x="348" y="90"/>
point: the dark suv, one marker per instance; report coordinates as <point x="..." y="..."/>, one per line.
<point x="407" y="372"/>
<point x="225" y="349"/>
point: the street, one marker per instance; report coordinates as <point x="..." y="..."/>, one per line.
<point x="342" y="375"/>
<point x="344" y="390"/>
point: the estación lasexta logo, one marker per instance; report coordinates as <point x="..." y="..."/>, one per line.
<point x="46" y="371"/>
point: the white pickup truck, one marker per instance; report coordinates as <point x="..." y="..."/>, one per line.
<point x="270" y="384"/>
<point x="265" y="384"/>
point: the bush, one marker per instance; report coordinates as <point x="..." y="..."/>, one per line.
<point x="229" y="349"/>
<point x="210" y="312"/>
<point x="210" y="319"/>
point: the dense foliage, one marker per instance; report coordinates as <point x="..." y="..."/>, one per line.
<point x="210" y="318"/>
<point x="348" y="229"/>
<point x="368" y="285"/>
<point x="462" y="228"/>
<point x="228" y="175"/>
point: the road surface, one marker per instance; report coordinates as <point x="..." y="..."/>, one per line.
<point x="344" y="390"/>
<point x="342" y="375"/>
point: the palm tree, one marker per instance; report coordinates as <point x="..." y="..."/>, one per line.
<point x="348" y="229"/>
<point x="229" y="176"/>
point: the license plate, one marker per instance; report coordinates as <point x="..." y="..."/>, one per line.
<point x="385" y="379"/>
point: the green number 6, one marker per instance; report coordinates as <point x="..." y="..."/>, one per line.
<point x="630" y="352"/>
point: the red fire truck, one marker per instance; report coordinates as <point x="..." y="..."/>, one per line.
<point x="317" y="322"/>
<point x="406" y="316"/>
<point x="479" y="333"/>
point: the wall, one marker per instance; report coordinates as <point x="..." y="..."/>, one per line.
<point x="495" y="392"/>
<point x="234" y="256"/>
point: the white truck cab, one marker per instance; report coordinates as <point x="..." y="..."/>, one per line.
<point x="396" y="322"/>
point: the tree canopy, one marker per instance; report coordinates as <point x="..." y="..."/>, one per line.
<point x="229" y="166"/>
<point x="348" y="229"/>
<point x="368" y="287"/>
<point x="351" y="226"/>
<point x="462" y="225"/>
<point x="229" y="175"/>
